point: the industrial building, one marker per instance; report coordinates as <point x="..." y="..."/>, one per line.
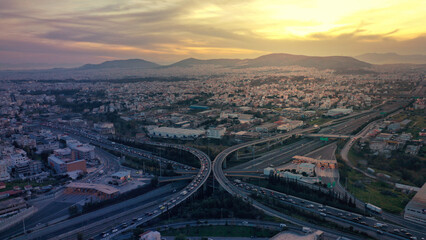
<point x="177" y="133"/>
<point x="415" y="210"/>
<point x="11" y="206"/>
<point x="100" y="191"/>
<point x="338" y="112"/>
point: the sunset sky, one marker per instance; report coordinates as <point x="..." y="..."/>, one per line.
<point x="60" y="33"/>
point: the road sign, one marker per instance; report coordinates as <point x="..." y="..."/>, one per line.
<point x="324" y="139"/>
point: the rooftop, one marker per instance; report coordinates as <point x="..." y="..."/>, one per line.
<point x="99" y="187"/>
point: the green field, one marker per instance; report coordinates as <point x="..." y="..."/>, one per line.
<point x="376" y="192"/>
<point x="221" y="231"/>
<point x="319" y="121"/>
<point x="417" y="121"/>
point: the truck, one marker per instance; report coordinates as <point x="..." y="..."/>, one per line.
<point x="373" y="208"/>
<point x="306" y="230"/>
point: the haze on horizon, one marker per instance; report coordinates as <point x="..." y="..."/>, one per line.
<point x="52" y="33"/>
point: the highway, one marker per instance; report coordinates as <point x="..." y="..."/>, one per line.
<point x="143" y="215"/>
<point x="340" y="128"/>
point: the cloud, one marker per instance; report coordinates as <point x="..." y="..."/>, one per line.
<point x="166" y="31"/>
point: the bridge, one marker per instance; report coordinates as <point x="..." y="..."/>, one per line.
<point x="327" y="135"/>
<point x="175" y="178"/>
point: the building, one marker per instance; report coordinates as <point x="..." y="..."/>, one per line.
<point x="62" y="152"/>
<point x="120" y="177"/>
<point x="66" y="165"/>
<point x="150" y="235"/>
<point x="216" y="132"/>
<point x="83" y="151"/>
<point x="307" y="168"/>
<point x="12" y="206"/>
<point x="47" y="145"/>
<point x="104" y="128"/>
<point x="177" y="133"/>
<point x="4" y="173"/>
<point x="415" y="210"/>
<point x="100" y="191"/>
<point x="266" y="127"/>
<point x="288" y="235"/>
<point x="338" y="112"/>
<point x="412" y="149"/>
<point x="268" y="171"/>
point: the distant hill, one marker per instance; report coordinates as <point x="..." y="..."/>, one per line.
<point x="130" y="63"/>
<point x="279" y="60"/>
<point x="333" y="62"/>
<point x="135" y="68"/>
<point x="190" y="62"/>
<point x="392" y="58"/>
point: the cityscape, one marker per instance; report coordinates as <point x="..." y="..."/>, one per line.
<point x="184" y="120"/>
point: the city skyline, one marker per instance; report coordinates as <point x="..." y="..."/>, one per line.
<point x="69" y="34"/>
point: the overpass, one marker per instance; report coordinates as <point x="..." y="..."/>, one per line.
<point x="175" y="178"/>
<point x="327" y="135"/>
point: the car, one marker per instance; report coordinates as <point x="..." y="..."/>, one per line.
<point x="283" y="225"/>
<point x="114" y="230"/>
<point x="323" y="214"/>
<point x="139" y="219"/>
<point x="379" y="231"/>
<point x="244" y="222"/>
<point x="105" y="235"/>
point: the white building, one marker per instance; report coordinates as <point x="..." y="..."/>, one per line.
<point x="336" y="112"/>
<point x="216" y="133"/>
<point x="178" y="133"/>
<point x="308" y="168"/>
<point x="267" y="171"/>
<point x="415" y="210"/>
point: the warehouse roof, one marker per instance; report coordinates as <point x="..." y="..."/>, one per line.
<point x="99" y="187"/>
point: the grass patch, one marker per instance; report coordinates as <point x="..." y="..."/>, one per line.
<point x="221" y="231"/>
<point x="376" y="192"/>
<point x="319" y="121"/>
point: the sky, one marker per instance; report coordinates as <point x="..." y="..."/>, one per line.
<point x="68" y="33"/>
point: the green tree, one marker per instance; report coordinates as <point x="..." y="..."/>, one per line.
<point x="180" y="237"/>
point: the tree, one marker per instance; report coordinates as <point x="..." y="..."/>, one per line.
<point x="80" y="236"/>
<point x="180" y="237"/>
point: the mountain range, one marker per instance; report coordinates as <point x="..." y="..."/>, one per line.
<point x="139" y="68"/>
<point x="392" y="58"/>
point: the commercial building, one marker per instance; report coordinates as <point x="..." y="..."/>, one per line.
<point x="415" y="210"/>
<point x="216" y="132"/>
<point x="104" y="128"/>
<point x="100" y="191"/>
<point x="307" y="168"/>
<point x="66" y="165"/>
<point x="177" y="133"/>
